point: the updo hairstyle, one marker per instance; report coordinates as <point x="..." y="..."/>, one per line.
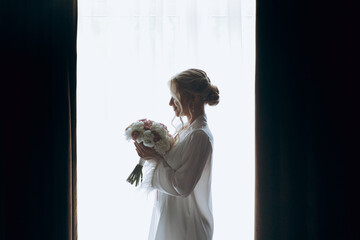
<point x="194" y="82"/>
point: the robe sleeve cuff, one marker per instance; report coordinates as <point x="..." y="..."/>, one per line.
<point x="148" y="171"/>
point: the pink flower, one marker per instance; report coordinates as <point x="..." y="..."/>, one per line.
<point x="147" y="124"/>
<point x="163" y="126"/>
<point x="135" y="135"/>
<point x="156" y="137"/>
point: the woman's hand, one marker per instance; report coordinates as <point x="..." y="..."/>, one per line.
<point x="147" y="153"/>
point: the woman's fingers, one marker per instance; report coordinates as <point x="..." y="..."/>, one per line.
<point x="142" y="147"/>
<point x="141" y="150"/>
<point x="138" y="150"/>
<point x="145" y="152"/>
<point x="139" y="147"/>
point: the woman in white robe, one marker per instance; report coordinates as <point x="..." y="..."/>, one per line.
<point x="182" y="178"/>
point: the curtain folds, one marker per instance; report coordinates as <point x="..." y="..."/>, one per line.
<point x="306" y="125"/>
<point x="38" y="120"/>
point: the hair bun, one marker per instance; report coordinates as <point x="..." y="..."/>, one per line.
<point x="213" y="97"/>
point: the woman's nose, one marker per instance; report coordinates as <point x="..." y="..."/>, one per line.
<point x="171" y="101"/>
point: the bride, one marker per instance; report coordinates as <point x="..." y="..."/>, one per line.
<point x="182" y="178"/>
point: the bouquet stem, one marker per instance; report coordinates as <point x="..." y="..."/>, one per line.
<point x="136" y="176"/>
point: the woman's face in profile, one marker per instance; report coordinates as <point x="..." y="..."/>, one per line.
<point x="176" y="106"/>
<point x="186" y="100"/>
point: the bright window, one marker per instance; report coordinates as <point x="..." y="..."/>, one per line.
<point x="127" y="51"/>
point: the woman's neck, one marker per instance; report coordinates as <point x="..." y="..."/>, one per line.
<point x="197" y="113"/>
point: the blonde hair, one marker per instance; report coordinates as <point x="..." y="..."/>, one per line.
<point x="193" y="82"/>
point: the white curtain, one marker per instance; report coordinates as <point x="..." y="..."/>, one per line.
<point x="127" y="51"/>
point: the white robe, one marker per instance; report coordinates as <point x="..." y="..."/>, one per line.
<point x="183" y="208"/>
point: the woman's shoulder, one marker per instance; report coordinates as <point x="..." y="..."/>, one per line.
<point x="202" y="133"/>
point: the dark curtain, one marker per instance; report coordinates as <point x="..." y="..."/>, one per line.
<point x="307" y="164"/>
<point x="38" y="119"/>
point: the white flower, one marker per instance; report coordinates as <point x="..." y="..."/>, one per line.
<point x="136" y="126"/>
<point x="128" y="133"/>
<point x="162" y="146"/>
<point x="148" y="138"/>
<point x="157" y="127"/>
<point x="139" y="126"/>
<point x="157" y="138"/>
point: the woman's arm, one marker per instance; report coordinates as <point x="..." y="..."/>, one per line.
<point x="181" y="182"/>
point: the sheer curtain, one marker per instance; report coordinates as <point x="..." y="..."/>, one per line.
<point x="127" y="51"/>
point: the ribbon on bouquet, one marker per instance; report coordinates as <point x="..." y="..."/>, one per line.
<point x="136" y="175"/>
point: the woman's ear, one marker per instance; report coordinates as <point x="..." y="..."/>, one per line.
<point x="196" y="98"/>
<point x="187" y="98"/>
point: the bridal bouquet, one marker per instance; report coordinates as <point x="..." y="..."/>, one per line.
<point x="152" y="134"/>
